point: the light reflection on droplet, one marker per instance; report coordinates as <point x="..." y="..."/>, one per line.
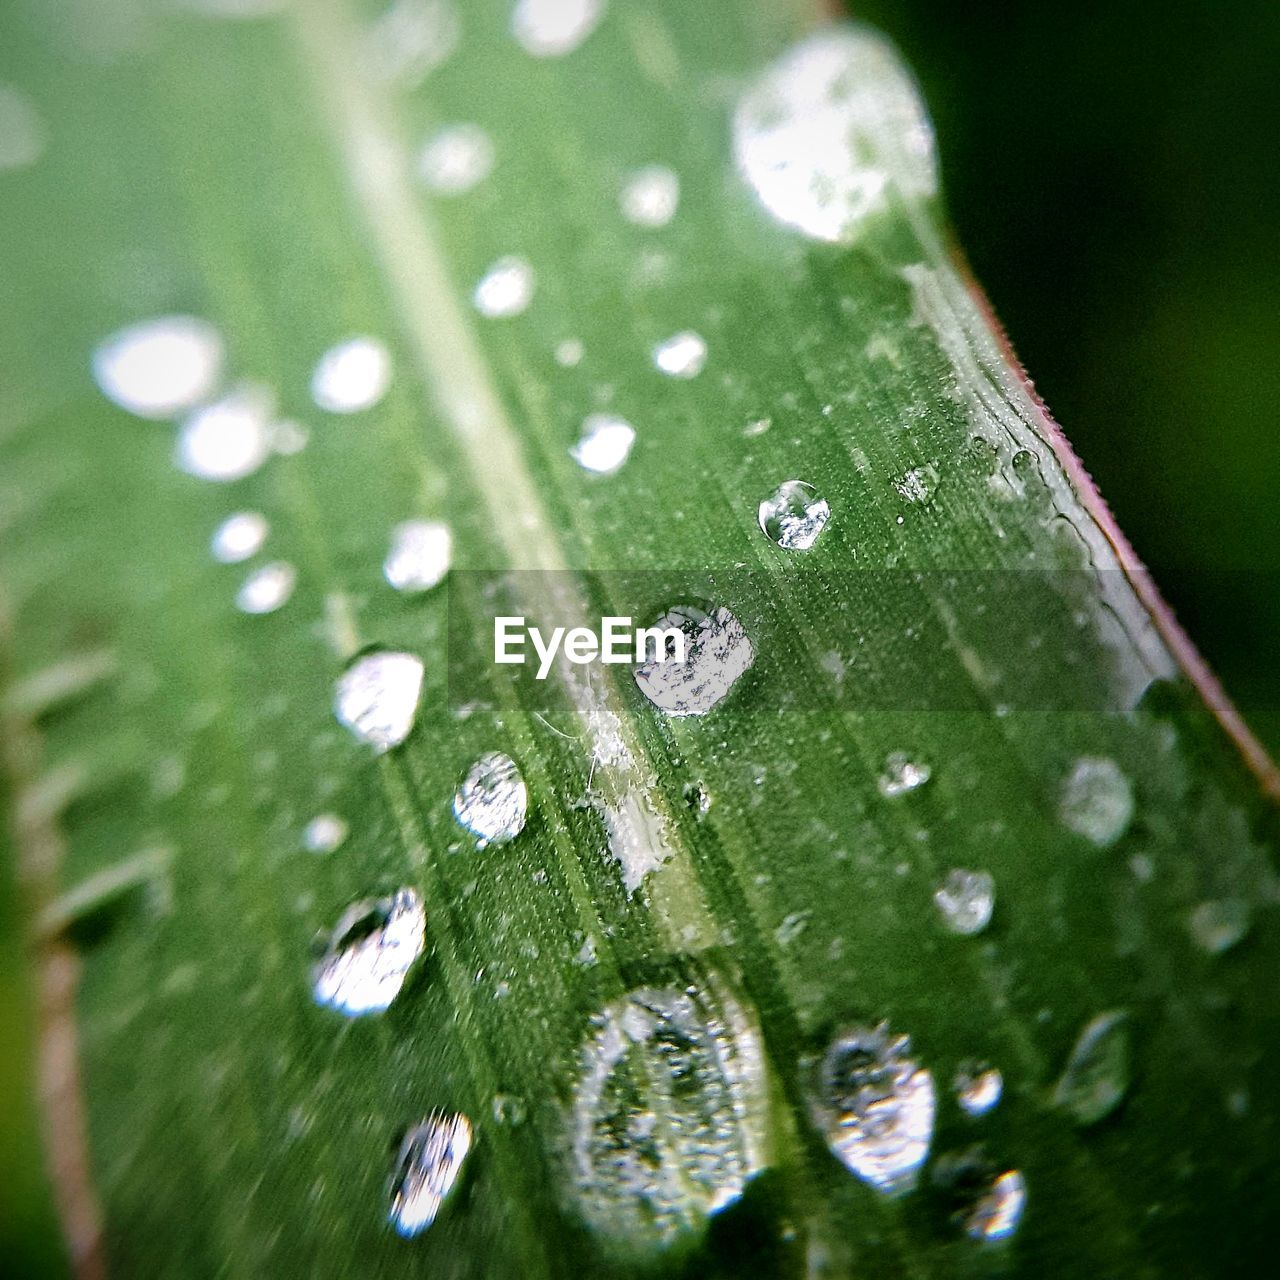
<point x="420" y="555"/>
<point x="1219" y="924"/>
<point x="229" y="439"/>
<point x="267" y="588"/>
<point x="427" y="1170"/>
<point x="369" y="954"/>
<point x="965" y="900"/>
<point x="455" y="159"/>
<point x="1096" y="1076"/>
<point x="793" y="515"/>
<point x="1097" y="801"/>
<point x="324" y="833"/>
<point x="552" y="28"/>
<point x="376" y="698"/>
<point x="159" y="368"/>
<point x="239" y="536"/>
<point x="352" y="376"/>
<point x="651" y="196"/>
<point x="506" y="288"/>
<point x="605" y="442"/>
<point x="683" y="355"/>
<point x="492" y="800"/>
<point x="902" y="774"/>
<point x="978" y="1088"/>
<point x="998" y="1212"/>
<point x="717" y="653"/>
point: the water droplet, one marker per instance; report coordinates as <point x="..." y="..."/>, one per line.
<point x="377" y="697"/>
<point x="506" y="289"/>
<point x="569" y="353"/>
<point x="966" y="900"/>
<point x="651" y="196"/>
<point x="370" y="952"/>
<point x="420" y="555"/>
<point x="717" y="653"/>
<point x="22" y="132"/>
<point x="902" y="774"/>
<point x="267" y="588"/>
<point x="793" y="515"/>
<point x="455" y="159"/>
<point x="427" y="1170"/>
<point x="551" y="28"/>
<point x="351" y="376"/>
<point x="827" y="128"/>
<point x="875" y="1107"/>
<point x="792" y="927"/>
<point x="669" y="1112"/>
<point x="1219" y="924"/>
<point x="324" y="833"/>
<point x="230" y="438"/>
<point x="288" y="438"/>
<point x="998" y="1212"/>
<point x="239" y="536"/>
<point x="159" y="368"/>
<point x="978" y="1088"/>
<point x="492" y="800"/>
<point x="1097" y="801"/>
<point x="604" y="445"/>
<point x="1096" y="1076"/>
<point x="683" y="355"/>
<point x="918" y="485"/>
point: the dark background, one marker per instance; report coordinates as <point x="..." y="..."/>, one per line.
<point x="1113" y="174"/>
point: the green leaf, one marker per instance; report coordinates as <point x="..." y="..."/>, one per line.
<point x="666" y="996"/>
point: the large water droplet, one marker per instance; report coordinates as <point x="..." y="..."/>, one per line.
<point x="966" y="900"/>
<point x="370" y="952"/>
<point x="684" y="355"/>
<point x="670" y="1112"/>
<point x="902" y="774"/>
<point x="828" y="128"/>
<point x="978" y="1088"/>
<point x="455" y="159"/>
<point x="324" y="833"/>
<point x="1096" y="1076"/>
<point x="230" y="438"/>
<point x="651" y="196"/>
<point x="159" y="368"/>
<point x="997" y="1213"/>
<point x="427" y="1170"/>
<point x="506" y="288"/>
<point x="793" y="515"/>
<point x="551" y="28"/>
<point x="267" y="588"/>
<point x="377" y="697"/>
<point x="492" y="800"/>
<point x="605" y="443"/>
<point x="875" y="1107"/>
<point x="1219" y="924"/>
<point x="352" y="376"/>
<point x="420" y="555"/>
<point x="717" y="653"/>
<point x="239" y="536"/>
<point x="1097" y="801"/>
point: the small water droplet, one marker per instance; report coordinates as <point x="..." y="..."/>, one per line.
<point x="651" y="196"/>
<point x="492" y="800"/>
<point x="717" y="653"/>
<point x="159" y="368"/>
<point x="1097" y="801"/>
<point x="793" y="515"/>
<point x="552" y="28"/>
<point x="288" y="438"/>
<point x="22" y="132"/>
<point x="569" y="353"/>
<point x="902" y="774"/>
<point x="875" y="1107"/>
<point x="377" y="697"/>
<point x="966" y="900"/>
<point x="239" y="536"/>
<point x="427" y="1170"/>
<point x="792" y="927"/>
<point x="506" y="288"/>
<point x="420" y="556"/>
<point x="684" y="355"/>
<point x="978" y="1088"/>
<point x="604" y="445"/>
<point x="324" y="833"/>
<point x="351" y="376"/>
<point x="918" y="485"/>
<point x="998" y="1212"/>
<point x="369" y="954"/>
<point x="268" y="588"/>
<point x="1096" y="1076"/>
<point x="1219" y="924"/>
<point x="230" y="438"/>
<point x="455" y="159"/>
<point x="669" y="1112"/>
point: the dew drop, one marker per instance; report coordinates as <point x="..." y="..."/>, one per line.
<point x="684" y="355"/>
<point x="717" y="653"/>
<point x="239" y="536"/>
<point x="268" y="588"/>
<point x="229" y="439"/>
<point x="506" y="288"/>
<point x="288" y="438"/>
<point x="978" y="1088"/>
<point x="551" y="28"/>
<point x="1096" y="1076"/>
<point x="650" y="196"/>
<point x="604" y="445"/>
<point x="351" y="376"/>
<point x="965" y="900"/>
<point x="159" y="368"/>
<point x="875" y="1107"/>
<point x="569" y="353"/>
<point x="455" y="159"/>
<point x="1219" y="924"/>
<point x="427" y="1170"/>
<point x="369" y="954"/>
<point x="828" y="128"/>
<point x="22" y="132"/>
<point x="492" y="800"/>
<point x="793" y="515"/>
<point x="1097" y="801"/>
<point x="902" y="774"/>
<point x="324" y="833"/>
<point x="998" y="1212"/>
<point x="376" y="698"/>
<point x="420" y="556"/>
<point x="918" y="485"/>
<point x="669" y="1113"/>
